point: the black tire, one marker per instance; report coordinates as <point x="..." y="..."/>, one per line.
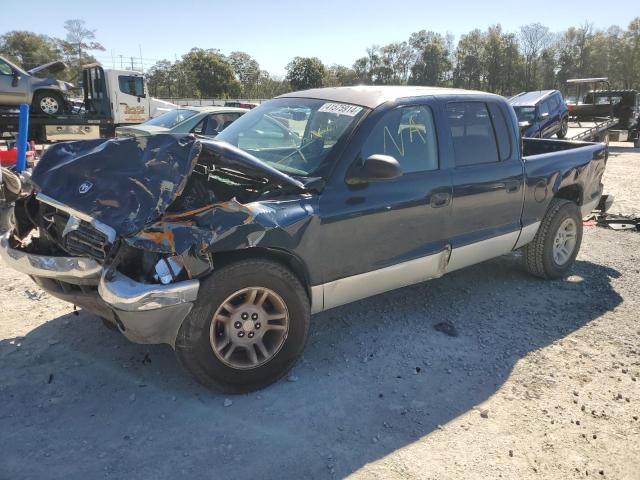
<point x="193" y="347"/>
<point x="538" y="255"/>
<point x="564" y="128"/>
<point x="55" y="98"/>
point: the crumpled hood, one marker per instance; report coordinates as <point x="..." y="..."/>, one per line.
<point x="55" y="67"/>
<point x="124" y="183"/>
<point x="127" y="183"/>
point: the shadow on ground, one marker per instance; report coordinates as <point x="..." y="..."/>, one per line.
<point x="79" y="401"/>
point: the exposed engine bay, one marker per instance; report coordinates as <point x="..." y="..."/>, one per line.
<point x="149" y="207"/>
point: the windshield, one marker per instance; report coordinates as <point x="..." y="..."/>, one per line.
<point x="293" y="135"/>
<point x="526" y="114"/>
<point x="172" y="118"/>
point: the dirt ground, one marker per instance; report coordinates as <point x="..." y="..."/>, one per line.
<point x="542" y="381"/>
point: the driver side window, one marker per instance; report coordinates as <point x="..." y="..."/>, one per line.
<point x="5" y="69"/>
<point x="408" y="135"/>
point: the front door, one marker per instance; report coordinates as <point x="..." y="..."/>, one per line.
<point x="13" y="86"/>
<point x="391" y="233"/>
<point x="487" y="183"/>
<point x="131" y="102"/>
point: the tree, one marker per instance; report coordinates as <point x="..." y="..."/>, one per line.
<point x="247" y="72"/>
<point x="160" y="80"/>
<point x="339" y="76"/>
<point x="29" y="49"/>
<point x="432" y="64"/>
<point x="469" y="69"/>
<point x="533" y="38"/>
<point x="212" y="74"/>
<point x="396" y="60"/>
<point x="305" y="72"/>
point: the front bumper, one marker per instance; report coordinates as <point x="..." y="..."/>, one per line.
<point x="145" y="313"/>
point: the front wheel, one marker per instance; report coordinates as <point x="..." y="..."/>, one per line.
<point x="554" y="249"/>
<point x="248" y="327"/>
<point x="48" y="103"/>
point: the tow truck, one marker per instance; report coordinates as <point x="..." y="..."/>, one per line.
<point x="111" y="98"/>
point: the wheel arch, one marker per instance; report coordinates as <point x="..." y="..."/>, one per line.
<point x="285" y="258"/>
<point x="46" y="89"/>
<point x="573" y="192"/>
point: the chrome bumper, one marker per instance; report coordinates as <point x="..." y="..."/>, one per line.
<point x="84" y="271"/>
<point x="145" y="313"/>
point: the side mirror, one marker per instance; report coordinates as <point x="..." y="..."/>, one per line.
<point x="16" y="79"/>
<point x="375" y="168"/>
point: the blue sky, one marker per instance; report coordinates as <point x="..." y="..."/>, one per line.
<point x="273" y="32"/>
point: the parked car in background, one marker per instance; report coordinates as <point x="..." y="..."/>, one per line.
<point x="625" y="108"/>
<point x="541" y="114"/>
<point x="45" y="95"/>
<point x="207" y="121"/>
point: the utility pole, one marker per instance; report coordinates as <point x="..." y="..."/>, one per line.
<point x="132" y="64"/>
<point x="121" y="67"/>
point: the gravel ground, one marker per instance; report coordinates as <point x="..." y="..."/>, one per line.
<point x="541" y="381"/>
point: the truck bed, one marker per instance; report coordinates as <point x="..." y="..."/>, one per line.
<point x="551" y="166"/>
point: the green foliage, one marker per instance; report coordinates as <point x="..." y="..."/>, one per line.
<point x="305" y="72"/>
<point x="432" y="65"/>
<point x="28" y="49"/>
<point x="492" y="60"/>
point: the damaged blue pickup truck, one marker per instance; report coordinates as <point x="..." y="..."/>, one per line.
<point x="224" y="248"/>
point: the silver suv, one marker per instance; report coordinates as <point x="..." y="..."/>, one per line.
<point x="45" y="95"/>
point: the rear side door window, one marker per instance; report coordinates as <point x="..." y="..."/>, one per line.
<point x="408" y="135"/>
<point x="543" y="108"/>
<point x="502" y="132"/>
<point x="472" y="134"/>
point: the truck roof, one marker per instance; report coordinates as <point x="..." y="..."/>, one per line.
<point x="374" y="96"/>
<point x="529" y="99"/>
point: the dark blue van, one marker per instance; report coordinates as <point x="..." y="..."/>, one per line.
<point x="541" y="114"/>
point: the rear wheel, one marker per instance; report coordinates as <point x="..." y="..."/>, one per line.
<point x="564" y="128"/>
<point x="248" y="327"/>
<point x="555" y="247"/>
<point x="48" y="103"/>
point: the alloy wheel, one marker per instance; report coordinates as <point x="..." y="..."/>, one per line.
<point x="249" y="328"/>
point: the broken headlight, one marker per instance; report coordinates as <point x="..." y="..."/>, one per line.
<point x="168" y="269"/>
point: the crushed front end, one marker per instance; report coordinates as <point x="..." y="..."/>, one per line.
<point x="80" y="260"/>
<point x="124" y="228"/>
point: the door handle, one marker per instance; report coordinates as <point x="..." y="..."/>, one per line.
<point x="440" y="199"/>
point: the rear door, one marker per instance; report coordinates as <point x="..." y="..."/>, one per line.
<point x="549" y="118"/>
<point x="130" y="102"/>
<point x="487" y="182"/>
